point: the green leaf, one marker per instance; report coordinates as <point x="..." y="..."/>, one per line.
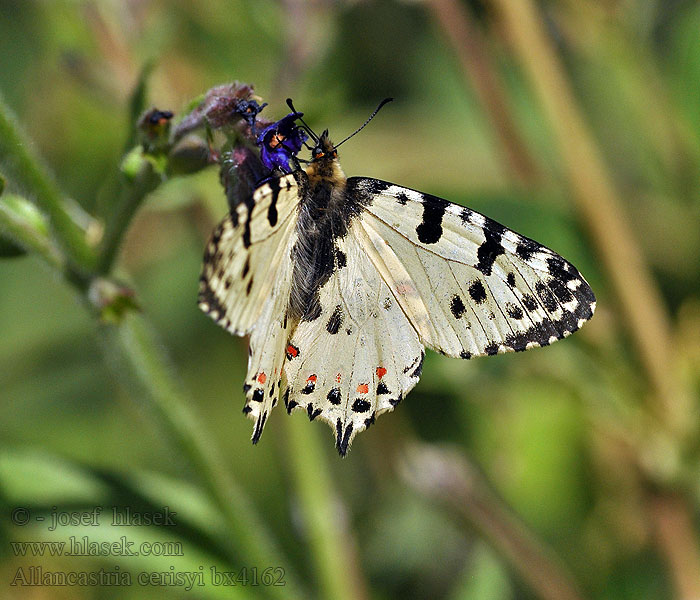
<point x="35" y="477"/>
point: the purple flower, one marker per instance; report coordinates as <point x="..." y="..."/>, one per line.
<point x="281" y="141"/>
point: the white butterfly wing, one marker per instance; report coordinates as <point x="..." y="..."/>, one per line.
<point x="467" y="284"/>
<point x="244" y="255"/>
<point x="360" y="357"/>
<point x="245" y="286"/>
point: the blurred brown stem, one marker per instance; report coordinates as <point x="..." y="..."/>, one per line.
<point x="601" y="210"/>
<point x="448" y="478"/>
<point x="468" y="44"/>
<point x="673" y="528"/>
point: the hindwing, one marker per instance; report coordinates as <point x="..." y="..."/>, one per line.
<point x="360" y="356"/>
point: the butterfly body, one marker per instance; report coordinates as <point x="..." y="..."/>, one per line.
<point x="342" y="283"/>
<point x="325" y="211"/>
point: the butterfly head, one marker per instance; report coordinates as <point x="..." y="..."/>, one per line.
<point x="324" y="161"/>
<point x="324" y="150"/>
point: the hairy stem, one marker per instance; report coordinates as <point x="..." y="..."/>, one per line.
<point x="22" y="166"/>
<point x="120" y="215"/>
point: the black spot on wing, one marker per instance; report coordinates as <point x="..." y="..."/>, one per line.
<point x="511" y="279"/>
<point x="562" y="269"/>
<point x="342" y="437"/>
<point x="491" y="349"/>
<point x="546" y="297"/>
<point x="246" y="267"/>
<point x="246" y="227"/>
<point x="396" y="401"/>
<point x="514" y="311"/>
<point x="465" y="355"/>
<point x="258" y="395"/>
<point x="335" y="320"/>
<point x="457" y="307"/>
<point x="249" y="287"/>
<point x="274" y="184"/>
<point x="402" y="198"/>
<point x="369" y="186"/>
<point x="430" y="229"/>
<point x="340" y="259"/>
<point x="491" y="247"/>
<point x="334" y="396"/>
<point x="360" y="406"/>
<point x="382" y="389"/>
<point x="259" y="424"/>
<point x="529" y="302"/>
<point x="560" y="290"/>
<point x="526" y="248"/>
<point x="477" y="291"/>
<point x="289" y="404"/>
<point x="419" y="369"/>
<point x="311" y="412"/>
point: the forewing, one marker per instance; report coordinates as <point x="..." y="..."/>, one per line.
<point x="468" y="285"/>
<point x="243" y="256"/>
<point x="360" y="357"/>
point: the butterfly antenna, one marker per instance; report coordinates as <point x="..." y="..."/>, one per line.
<point x="376" y="110"/>
<point x="308" y="129"/>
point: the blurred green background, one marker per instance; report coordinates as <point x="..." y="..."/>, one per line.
<point x="566" y="472"/>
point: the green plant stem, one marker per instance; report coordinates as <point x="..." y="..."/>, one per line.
<point x="333" y="551"/>
<point x="135" y="346"/>
<point x="448" y="479"/>
<point x="121" y="214"/>
<point x="22" y="166"/>
<point x="28" y="229"/>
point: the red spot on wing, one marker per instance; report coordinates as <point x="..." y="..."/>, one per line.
<point x="363" y="388"/>
<point x="292" y="351"/>
<point x="262" y="378"/>
<point x="381" y="371"/>
<point x="311" y="379"/>
<point x="337" y="377"/>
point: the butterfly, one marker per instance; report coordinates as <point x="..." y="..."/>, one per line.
<point x="341" y="283"/>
